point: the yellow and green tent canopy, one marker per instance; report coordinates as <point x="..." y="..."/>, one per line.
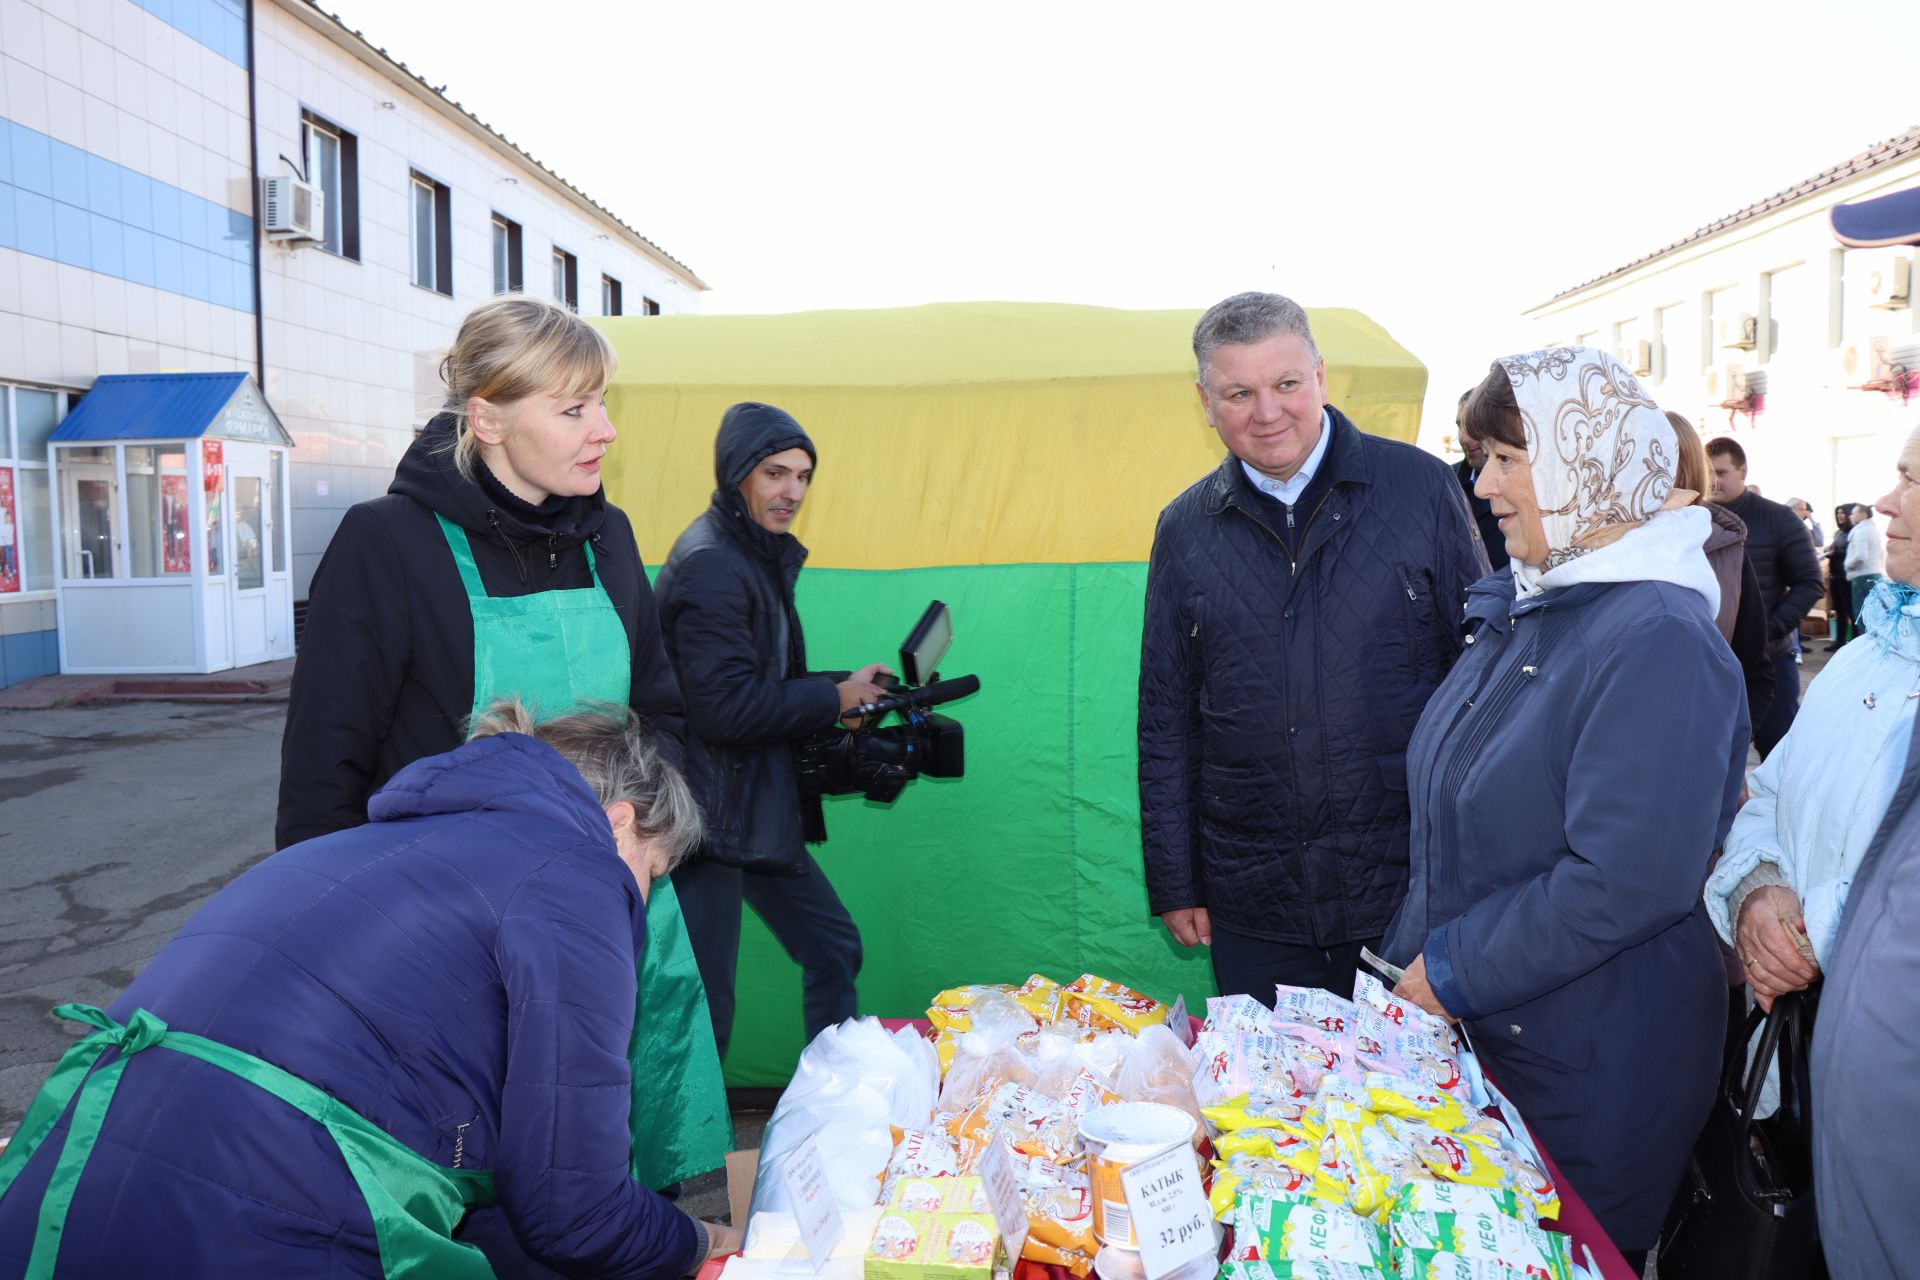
<point x="1009" y="459"/>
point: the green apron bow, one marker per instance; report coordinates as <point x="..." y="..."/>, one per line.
<point x="554" y="650"/>
<point x="415" y="1204"/>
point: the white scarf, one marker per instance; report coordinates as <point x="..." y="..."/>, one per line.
<point x="1602" y="455"/>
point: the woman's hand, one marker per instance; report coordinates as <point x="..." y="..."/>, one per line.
<point x="721" y="1240"/>
<point x="1769" y="920"/>
<point x="1413" y="987"/>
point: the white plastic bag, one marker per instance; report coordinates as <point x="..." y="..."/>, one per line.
<point x="852" y="1084"/>
<point x="1159" y="1069"/>
<point x="987" y="1053"/>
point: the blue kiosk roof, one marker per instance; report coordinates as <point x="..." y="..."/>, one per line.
<point x="1878" y="223"/>
<point x="150" y="406"/>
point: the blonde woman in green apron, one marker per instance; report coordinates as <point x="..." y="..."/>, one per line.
<point x="371" y="1035"/>
<point x="495" y="567"/>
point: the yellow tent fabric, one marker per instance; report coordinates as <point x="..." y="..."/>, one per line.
<point x="958" y="433"/>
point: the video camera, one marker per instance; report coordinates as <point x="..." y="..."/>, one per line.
<point x="878" y="762"/>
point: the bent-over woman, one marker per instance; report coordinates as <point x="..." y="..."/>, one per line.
<point x="372" y="1033"/>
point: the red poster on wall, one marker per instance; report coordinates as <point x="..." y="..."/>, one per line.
<point x="175" y="545"/>
<point x="9" y="535"/>
<point x="216" y="483"/>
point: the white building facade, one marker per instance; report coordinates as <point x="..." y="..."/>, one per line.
<point x="1762" y="327"/>
<point x="133" y="137"/>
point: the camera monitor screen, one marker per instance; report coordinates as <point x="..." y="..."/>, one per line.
<point x="926" y="644"/>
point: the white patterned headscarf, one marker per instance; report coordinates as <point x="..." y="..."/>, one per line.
<point x="1603" y="456"/>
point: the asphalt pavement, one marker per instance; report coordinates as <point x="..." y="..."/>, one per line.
<point x="116" y="823"/>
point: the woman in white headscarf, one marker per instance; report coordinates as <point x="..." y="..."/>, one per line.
<point x="1569" y="783"/>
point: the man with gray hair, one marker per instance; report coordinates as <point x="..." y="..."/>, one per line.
<point x="1866" y="556"/>
<point x="1303" y="602"/>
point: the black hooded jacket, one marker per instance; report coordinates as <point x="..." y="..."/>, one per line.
<point x="385" y="670"/>
<point x="734" y="639"/>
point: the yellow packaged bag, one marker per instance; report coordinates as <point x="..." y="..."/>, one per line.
<point x="1239" y="1176"/>
<point x="1291" y="1146"/>
<point x="1042" y="997"/>
<point x="1109" y="1006"/>
<point x="952" y="1010"/>
<point x="1390" y="1095"/>
<point x="1265" y="1109"/>
<point x="1455" y="1157"/>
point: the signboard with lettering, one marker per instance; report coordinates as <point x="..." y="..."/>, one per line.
<point x="813" y="1204"/>
<point x="1170" y="1215"/>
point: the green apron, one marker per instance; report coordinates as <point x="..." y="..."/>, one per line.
<point x="415" y="1204"/>
<point x="554" y="650"/>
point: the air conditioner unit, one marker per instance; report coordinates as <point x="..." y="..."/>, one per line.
<point x="294" y="210"/>
<point x="1727" y="386"/>
<point x="1889" y="280"/>
<point x="1864" y="364"/>
<point x="1637" y="355"/>
<point x="1740" y="332"/>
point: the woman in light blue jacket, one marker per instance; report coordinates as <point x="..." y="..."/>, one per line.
<point x="1781" y="886"/>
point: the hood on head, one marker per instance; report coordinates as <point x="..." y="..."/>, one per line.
<point x="427" y="474"/>
<point x="750" y="433"/>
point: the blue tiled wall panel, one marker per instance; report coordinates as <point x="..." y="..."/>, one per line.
<point x="28" y="656"/>
<point x="59" y="202"/>
<point x="221" y="25"/>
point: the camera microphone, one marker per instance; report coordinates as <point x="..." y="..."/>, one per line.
<point x="930" y="695"/>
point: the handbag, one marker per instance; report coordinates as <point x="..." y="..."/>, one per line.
<point x="1745" y="1208"/>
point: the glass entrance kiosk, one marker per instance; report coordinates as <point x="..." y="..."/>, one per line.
<point x="171" y="504"/>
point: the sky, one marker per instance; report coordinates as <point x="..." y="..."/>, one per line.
<point x="1439" y="167"/>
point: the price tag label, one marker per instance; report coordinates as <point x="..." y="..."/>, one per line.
<point x="1003" y="1193"/>
<point x="1170" y="1215"/>
<point x="1180" y="1022"/>
<point x="813" y="1204"/>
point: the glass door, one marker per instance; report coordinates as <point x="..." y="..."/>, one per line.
<point x="88" y="503"/>
<point x="251" y="537"/>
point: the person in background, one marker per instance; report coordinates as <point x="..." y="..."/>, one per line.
<point x="1303" y="600"/>
<point x="1742" y="618"/>
<point x="1570" y="781"/>
<point x="1866" y="555"/>
<point x="1468" y="469"/>
<point x="1800" y="507"/>
<point x="1866" y="1099"/>
<point x="734" y="637"/>
<point x="374" y="1034"/>
<point x="1782" y="884"/>
<point x="1789" y="576"/>
<point x="1839" y="594"/>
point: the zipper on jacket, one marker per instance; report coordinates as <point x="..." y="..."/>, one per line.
<point x="1293" y="566"/>
<point x="493" y="518"/>
<point x="460" y="1143"/>
<point x="553" y="554"/>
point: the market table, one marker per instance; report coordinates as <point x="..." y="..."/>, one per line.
<point x="1575" y="1219"/>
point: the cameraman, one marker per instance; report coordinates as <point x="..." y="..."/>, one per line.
<point x="733" y="638"/>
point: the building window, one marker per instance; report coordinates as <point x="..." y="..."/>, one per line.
<point x="431" y="219"/>
<point x="648" y="307"/>
<point x="1787" y="313"/>
<point x="566" y="278"/>
<point x="610" y="297"/>
<point x="507" y="258"/>
<point x="28" y="416"/>
<point x="1674" y="335"/>
<point x="333" y="166"/>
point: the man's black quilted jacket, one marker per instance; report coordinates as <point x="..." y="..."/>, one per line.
<point x="1276" y="701"/>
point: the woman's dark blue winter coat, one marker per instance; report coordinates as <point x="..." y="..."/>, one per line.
<point x="1569" y="783"/>
<point x="460" y="971"/>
